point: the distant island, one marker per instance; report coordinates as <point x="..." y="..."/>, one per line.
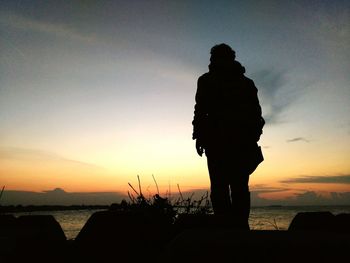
<point x="34" y="208"/>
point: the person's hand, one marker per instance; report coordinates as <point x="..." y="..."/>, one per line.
<point x="199" y="148"/>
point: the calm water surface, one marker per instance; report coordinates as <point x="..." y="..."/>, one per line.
<point x="261" y="218"/>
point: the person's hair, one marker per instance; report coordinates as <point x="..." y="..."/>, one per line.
<point x="222" y="52"/>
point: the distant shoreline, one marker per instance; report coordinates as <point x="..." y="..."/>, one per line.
<point x="37" y="208"/>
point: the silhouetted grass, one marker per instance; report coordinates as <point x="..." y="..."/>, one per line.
<point x="274" y="223"/>
<point x="158" y="205"/>
<point x="2" y="191"/>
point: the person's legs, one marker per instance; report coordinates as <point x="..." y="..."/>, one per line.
<point x="229" y="175"/>
<point x="219" y="186"/>
<point x="240" y="197"/>
<point x="242" y="164"/>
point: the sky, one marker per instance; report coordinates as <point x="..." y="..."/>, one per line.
<point x="94" y="93"/>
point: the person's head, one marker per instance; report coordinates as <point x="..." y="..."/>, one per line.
<point x="222" y="53"/>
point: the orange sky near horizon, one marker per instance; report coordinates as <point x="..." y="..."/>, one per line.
<point x="92" y="96"/>
<point x="111" y="171"/>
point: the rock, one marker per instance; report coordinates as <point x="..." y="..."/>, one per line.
<point x="39" y="237"/>
<point x="208" y="221"/>
<point x="7" y="225"/>
<point x="342" y="223"/>
<point x="232" y="245"/>
<point x="43" y="228"/>
<point x="124" y="235"/>
<point x="313" y="221"/>
<point x="7" y="236"/>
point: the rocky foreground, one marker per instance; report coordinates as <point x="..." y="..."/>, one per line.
<point x="114" y="236"/>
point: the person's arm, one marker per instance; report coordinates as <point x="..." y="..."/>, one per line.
<point x="257" y="112"/>
<point x="200" y="117"/>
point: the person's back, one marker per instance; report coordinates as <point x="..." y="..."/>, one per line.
<point x="231" y="105"/>
<point x="227" y="125"/>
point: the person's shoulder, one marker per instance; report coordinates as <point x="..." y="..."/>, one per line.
<point x="250" y="83"/>
<point x="204" y="76"/>
<point x="204" y="79"/>
<point x="248" y="80"/>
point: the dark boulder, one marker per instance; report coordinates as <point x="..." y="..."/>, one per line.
<point x="233" y="245"/>
<point x="342" y="223"/>
<point x="7" y="225"/>
<point x="7" y="236"/>
<point x="313" y="221"/>
<point x="42" y="228"/>
<point x="207" y="221"/>
<point x="39" y="237"/>
<point x="127" y="236"/>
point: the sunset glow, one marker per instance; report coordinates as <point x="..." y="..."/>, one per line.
<point x="92" y="95"/>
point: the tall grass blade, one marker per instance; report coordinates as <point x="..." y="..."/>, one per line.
<point x="154" y="179"/>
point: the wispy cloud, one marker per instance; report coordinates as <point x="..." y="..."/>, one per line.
<point x="30" y="24"/>
<point x="276" y="97"/>
<point x="39" y="155"/>
<point x="60" y="197"/>
<point x="262" y="188"/>
<point x="304" y="198"/>
<point x="328" y="179"/>
<point x="298" y="139"/>
<point x="314" y="198"/>
<point x="294" y="199"/>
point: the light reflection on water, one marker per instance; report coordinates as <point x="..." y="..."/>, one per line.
<point x="261" y="218"/>
<point x="279" y="218"/>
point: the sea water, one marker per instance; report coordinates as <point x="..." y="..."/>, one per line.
<point x="261" y="218"/>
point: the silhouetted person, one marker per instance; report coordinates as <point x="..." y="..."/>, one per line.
<point x="227" y="125"/>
